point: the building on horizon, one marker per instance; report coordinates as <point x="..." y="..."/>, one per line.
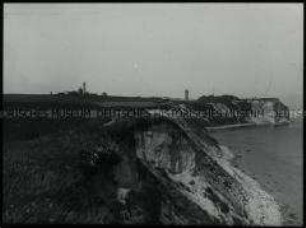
<point x="186" y="94"/>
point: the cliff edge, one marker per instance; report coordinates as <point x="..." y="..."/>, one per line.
<point x="191" y="176"/>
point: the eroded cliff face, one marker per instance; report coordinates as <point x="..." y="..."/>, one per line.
<point x="232" y="110"/>
<point x="198" y="185"/>
<point x="168" y="172"/>
<point x="268" y="111"/>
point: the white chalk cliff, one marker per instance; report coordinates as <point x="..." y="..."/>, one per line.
<point x="202" y="175"/>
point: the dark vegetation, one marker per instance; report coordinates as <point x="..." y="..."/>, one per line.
<point x="46" y="179"/>
<point x="45" y="101"/>
<point x="52" y="175"/>
<point x="236" y="112"/>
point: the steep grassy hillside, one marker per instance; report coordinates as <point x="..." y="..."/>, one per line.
<point x="46" y="178"/>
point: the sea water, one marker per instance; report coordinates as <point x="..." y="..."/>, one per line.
<point x="273" y="156"/>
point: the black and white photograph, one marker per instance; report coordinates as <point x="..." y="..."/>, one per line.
<point x="153" y="113"/>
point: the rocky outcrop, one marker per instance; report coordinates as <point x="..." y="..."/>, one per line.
<point x="268" y="110"/>
<point x="228" y="110"/>
<point x="171" y="173"/>
<point x="201" y="176"/>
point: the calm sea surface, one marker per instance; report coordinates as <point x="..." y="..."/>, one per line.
<point x="274" y="157"/>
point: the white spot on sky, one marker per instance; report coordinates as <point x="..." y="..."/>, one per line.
<point x="136" y="66"/>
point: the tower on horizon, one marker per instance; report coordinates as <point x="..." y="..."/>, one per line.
<point x="84" y="87"/>
<point x="186" y="94"/>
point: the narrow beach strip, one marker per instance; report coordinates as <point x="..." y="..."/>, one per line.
<point x="231" y="126"/>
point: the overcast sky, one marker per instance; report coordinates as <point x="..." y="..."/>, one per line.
<point x="155" y="49"/>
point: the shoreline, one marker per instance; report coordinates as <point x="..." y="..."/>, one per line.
<point x="250" y="151"/>
<point x="231" y="126"/>
<point x="241" y="125"/>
